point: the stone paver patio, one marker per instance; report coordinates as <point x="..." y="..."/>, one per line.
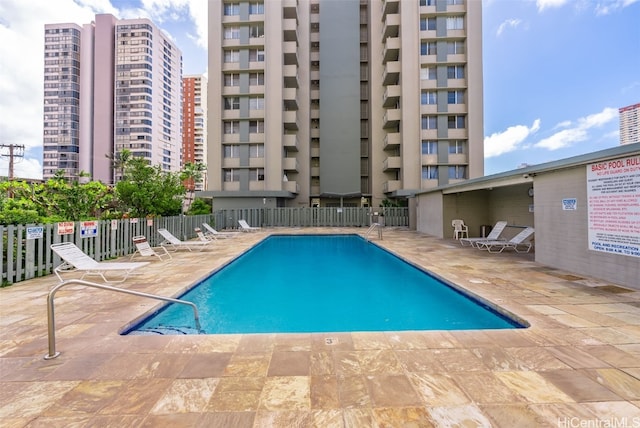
<point x="578" y="363"/>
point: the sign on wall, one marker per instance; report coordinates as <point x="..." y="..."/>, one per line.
<point x="65" y="227"/>
<point x="613" y="192"/>
<point x="88" y="229"/>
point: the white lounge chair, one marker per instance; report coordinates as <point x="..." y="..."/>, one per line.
<point x="244" y="226"/>
<point x="210" y="231"/>
<point x="522" y="239"/>
<point x="174" y="243"/>
<point x="145" y="250"/>
<point x="494" y="235"/>
<point x="460" y="230"/>
<point x="202" y="236"/>
<point x="75" y="260"/>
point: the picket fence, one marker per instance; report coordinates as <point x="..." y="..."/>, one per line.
<point x="26" y="251"/>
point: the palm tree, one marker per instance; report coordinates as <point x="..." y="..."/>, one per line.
<point x="191" y="174"/>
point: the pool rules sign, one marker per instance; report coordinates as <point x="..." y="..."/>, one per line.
<point x="613" y="192"/>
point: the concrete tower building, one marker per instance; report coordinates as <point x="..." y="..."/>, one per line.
<point x="110" y="85"/>
<point x="329" y="103"/>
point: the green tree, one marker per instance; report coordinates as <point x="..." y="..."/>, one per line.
<point x="199" y="206"/>
<point x="190" y="175"/>
<point x="147" y="190"/>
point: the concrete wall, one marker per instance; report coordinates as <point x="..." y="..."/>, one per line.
<point x="429" y="212"/>
<point x="562" y="236"/>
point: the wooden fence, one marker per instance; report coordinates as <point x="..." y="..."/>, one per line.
<point x="26" y="251"/>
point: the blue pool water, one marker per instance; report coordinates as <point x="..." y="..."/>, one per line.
<point x="322" y="283"/>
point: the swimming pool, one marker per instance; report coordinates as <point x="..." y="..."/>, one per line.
<point x="322" y="283"/>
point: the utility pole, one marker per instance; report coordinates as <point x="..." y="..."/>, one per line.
<point x="15" y="151"/>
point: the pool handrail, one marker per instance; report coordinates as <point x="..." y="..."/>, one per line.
<point x="51" y="324"/>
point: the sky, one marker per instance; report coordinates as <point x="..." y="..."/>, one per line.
<point x="555" y="71"/>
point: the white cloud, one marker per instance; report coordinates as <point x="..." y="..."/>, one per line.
<point x="549" y="4"/>
<point x="579" y="132"/>
<point x="509" y="140"/>
<point x="509" y="23"/>
<point x="609" y="6"/>
<point x="22" y="168"/>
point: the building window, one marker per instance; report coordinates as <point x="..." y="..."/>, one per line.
<point x="428" y="73"/>
<point x="428" y="48"/>
<point x="455" y="72"/>
<point x="232" y="32"/>
<point x="429" y="147"/>
<point x="231" y="151"/>
<point x="256" y="174"/>
<point x="256" y="55"/>
<point x="456" y="147"/>
<point x="231" y="55"/>
<point x="430" y="172"/>
<point x="427" y="2"/>
<point x="256" y="127"/>
<point x="455" y="23"/>
<point x="231" y="175"/>
<point x="232" y="127"/>
<point x="429" y="122"/>
<point x="232" y="103"/>
<point x="458" y="172"/>
<point x="456" y="122"/>
<point x="427" y="24"/>
<point x="256" y="151"/>
<point x="256" y="8"/>
<point x="232" y="79"/>
<point x="455" y="48"/>
<point x="428" y="97"/>
<point x="256" y="79"/>
<point x="231" y="9"/>
<point x="256" y="103"/>
<point x="455" y="97"/>
<point x="256" y="30"/>
<point x="455" y="2"/>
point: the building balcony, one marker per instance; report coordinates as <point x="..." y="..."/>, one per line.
<point x="290" y="73"/>
<point x="391" y="95"/>
<point x="315" y="133"/>
<point x="391" y="74"/>
<point x="391" y="118"/>
<point x="314" y="152"/>
<point x="428" y="59"/>
<point x="254" y="90"/>
<point x="230" y="114"/>
<point x="230" y="66"/>
<point x="231" y="163"/>
<point x="315" y="113"/>
<point x="457" y="108"/>
<point x="458" y="159"/>
<point x="314" y="37"/>
<point x="315" y="190"/>
<point x="314" y="56"/>
<point x="290" y="98"/>
<point x="392" y="163"/>
<point x="231" y="186"/>
<point x="315" y="171"/>
<point x="390" y="6"/>
<point x="290" y="9"/>
<point x="428" y="109"/>
<point x="256" y="185"/>
<point x="457" y="58"/>
<point x="314" y="94"/>
<point x="231" y="43"/>
<point x="256" y="162"/>
<point x="391" y="141"/>
<point x="429" y="84"/>
<point x="256" y="138"/>
<point x="458" y="134"/>
<point x="290" y="164"/>
<point x="290" y="142"/>
<point x="391" y="186"/>
<point x="391" y="26"/>
<point x="290" y="53"/>
<point x="290" y="30"/>
<point x="391" y="51"/>
<point x="291" y="186"/>
<point x="290" y="120"/>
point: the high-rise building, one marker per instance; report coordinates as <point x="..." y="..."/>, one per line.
<point x="630" y="124"/>
<point x="110" y="85"/>
<point x="194" y="123"/>
<point x="324" y="102"/>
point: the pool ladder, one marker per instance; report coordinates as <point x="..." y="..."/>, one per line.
<point x="372" y="228"/>
<point x="51" y="318"/>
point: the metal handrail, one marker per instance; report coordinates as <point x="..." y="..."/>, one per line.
<point x="374" y="226"/>
<point x="51" y="316"/>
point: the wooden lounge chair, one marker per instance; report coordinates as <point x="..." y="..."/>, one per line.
<point x="145" y="250"/>
<point x="494" y="235"/>
<point x="171" y="242"/>
<point x="522" y="239"/>
<point x="75" y="260"/>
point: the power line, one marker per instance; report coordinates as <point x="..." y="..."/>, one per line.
<point x="15" y="151"/>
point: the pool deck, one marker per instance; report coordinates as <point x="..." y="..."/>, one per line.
<point x="578" y="363"/>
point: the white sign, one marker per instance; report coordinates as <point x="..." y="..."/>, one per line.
<point x="35" y="232"/>
<point x="66" y="227"/>
<point x="570" y="204"/>
<point x="88" y="229"/>
<point x="613" y="192"/>
<point x="114" y="224"/>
